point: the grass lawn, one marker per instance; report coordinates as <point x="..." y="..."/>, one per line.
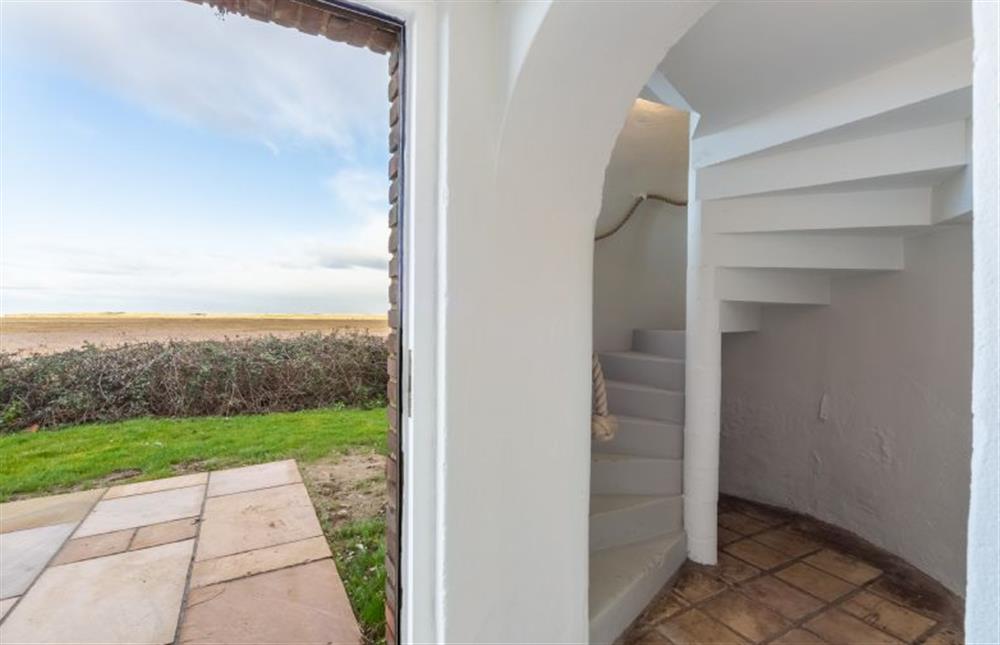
<point x="87" y="456"/>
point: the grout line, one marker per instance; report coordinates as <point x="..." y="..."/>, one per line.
<point x="244" y="576"/>
<point x="253" y="490"/>
<point x="262" y="548"/>
<point x="152" y="492"/>
<point x="194" y="553"/>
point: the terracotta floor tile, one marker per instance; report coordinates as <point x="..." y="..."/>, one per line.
<point x="94" y="546"/>
<point x="947" y="636"/>
<point x="734" y="570"/>
<point x="156" y="485"/>
<point x="664" y="607"/>
<point x="757" y="554"/>
<point x="765" y="515"/>
<point x="844" y="566"/>
<point x="814" y="582"/>
<point x="165" y="533"/>
<point x="788" y="542"/>
<point x="887" y="615"/>
<point x="918" y="599"/>
<point x="787" y="600"/>
<point x="750" y="619"/>
<point x="799" y="637"/>
<point x="23" y="555"/>
<point x="726" y="536"/>
<point x="46" y="511"/>
<point x="255" y="520"/>
<point x="141" y="510"/>
<point x="230" y="567"/>
<point x="742" y="524"/>
<point x="837" y="627"/>
<point x="131" y="597"/>
<point x="651" y="636"/>
<point x="303" y="604"/>
<point x="239" y="480"/>
<point x="6" y="604"/>
<point x="697" y="628"/>
<point x="695" y="584"/>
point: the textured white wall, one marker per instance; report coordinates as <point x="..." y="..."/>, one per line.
<point x="639" y="272"/>
<point x="894" y="354"/>
<point x="982" y="620"/>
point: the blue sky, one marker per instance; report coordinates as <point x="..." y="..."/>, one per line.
<point x="158" y="157"/>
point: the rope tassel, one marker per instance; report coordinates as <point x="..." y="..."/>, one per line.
<point x="603" y="426"/>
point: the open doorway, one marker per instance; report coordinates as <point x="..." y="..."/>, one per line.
<point x="249" y="370"/>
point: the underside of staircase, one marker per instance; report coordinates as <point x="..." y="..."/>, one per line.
<point x="828" y="185"/>
<point x="636" y="505"/>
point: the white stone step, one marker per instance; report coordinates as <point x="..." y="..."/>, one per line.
<point x="617" y="520"/>
<point x="645" y="437"/>
<point x="614" y="474"/>
<point x="883" y="156"/>
<point x="738" y="316"/>
<point x="644" y="369"/>
<point x="812" y="250"/>
<point x="900" y="209"/>
<point x="646" y="402"/>
<point x="776" y="286"/>
<point x="624" y="579"/>
<point x="662" y="342"/>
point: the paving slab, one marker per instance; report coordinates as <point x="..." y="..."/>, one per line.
<point x="255" y="520"/>
<point x="142" y="510"/>
<point x="156" y="485"/>
<point x="46" y="511"/>
<point x="239" y="480"/>
<point x="94" y="546"/>
<point x="23" y="555"/>
<point x="301" y="604"/>
<point x="164" y="533"/>
<point x="239" y="565"/>
<point x="133" y="597"/>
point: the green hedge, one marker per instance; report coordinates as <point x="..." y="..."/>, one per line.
<point x="192" y="378"/>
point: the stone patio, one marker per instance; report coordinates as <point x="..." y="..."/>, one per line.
<point x="231" y="556"/>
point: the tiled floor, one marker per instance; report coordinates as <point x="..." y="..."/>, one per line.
<point x="233" y="556"/>
<point x="784" y="578"/>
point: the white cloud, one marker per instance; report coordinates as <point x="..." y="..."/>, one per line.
<point x="258" y="80"/>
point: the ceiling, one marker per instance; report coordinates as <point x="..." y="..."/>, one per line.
<point x="743" y="59"/>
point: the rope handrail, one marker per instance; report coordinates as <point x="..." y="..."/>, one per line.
<point x="603" y="426"/>
<point x="631" y="211"/>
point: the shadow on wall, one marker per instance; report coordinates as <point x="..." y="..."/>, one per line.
<point x="639" y="272"/>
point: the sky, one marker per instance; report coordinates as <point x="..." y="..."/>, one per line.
<point x="160" y="157"/>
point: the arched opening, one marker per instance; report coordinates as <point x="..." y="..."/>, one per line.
<point x="637" y="539"/>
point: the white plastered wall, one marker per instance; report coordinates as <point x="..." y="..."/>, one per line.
<point x="639" y="272"/>
<point x="523" y="110"/>
<point x="982" y="620"/>
<point x="892" y="354"/>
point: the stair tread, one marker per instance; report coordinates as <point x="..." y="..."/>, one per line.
<point x="609" y="457"/>
<point x="639" y="386"/>
<point x="614" y="569"/>
<point x="610" y="503"/>
<point x="646" y="356"/>
<point x="659" y="422"/>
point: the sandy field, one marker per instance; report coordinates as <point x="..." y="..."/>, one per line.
<point x="57" y="332"/>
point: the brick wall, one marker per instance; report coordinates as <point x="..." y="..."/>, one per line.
<point x="344" y="24"/>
